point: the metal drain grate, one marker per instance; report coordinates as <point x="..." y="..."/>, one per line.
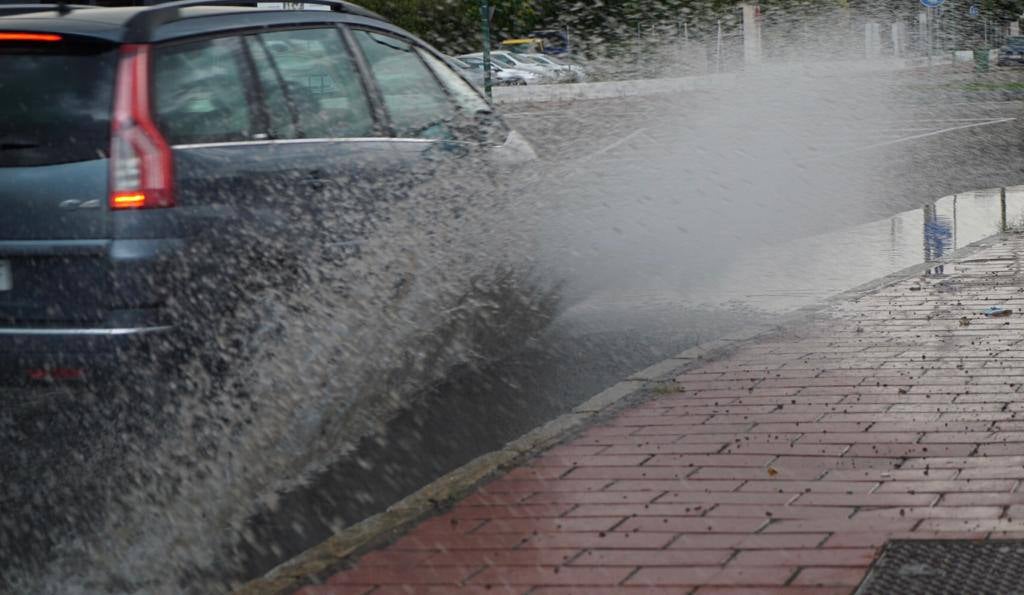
<point x="947" y="567"/>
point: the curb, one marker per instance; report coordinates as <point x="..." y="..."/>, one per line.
<point x="567" y="92"/>
<point x="319" y="562"/>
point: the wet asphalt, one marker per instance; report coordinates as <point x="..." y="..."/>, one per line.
<point x="630" y="299"/>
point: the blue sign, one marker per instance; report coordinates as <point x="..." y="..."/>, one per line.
<point x="932" y="3"/>
<point x="974" y="10"/>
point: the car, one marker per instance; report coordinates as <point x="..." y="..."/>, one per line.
<point x="471" y="73"/>
<point x="501" y="76"/>
<point x="566" y="72"/>
<point x="161" y="165"/>
<point x="1011" y="54"/>
<point x="517" y="62"/>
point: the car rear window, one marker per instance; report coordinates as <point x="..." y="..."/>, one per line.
<point x="55" y="103"/>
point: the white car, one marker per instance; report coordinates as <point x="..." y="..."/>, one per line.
<point x="570" y="73"/>
<point x="509" y="60"/>
<point x="508" y="77"/>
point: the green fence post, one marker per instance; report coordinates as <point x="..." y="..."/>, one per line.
<point x="981" y="60"/>
<point x="485" y="23"/>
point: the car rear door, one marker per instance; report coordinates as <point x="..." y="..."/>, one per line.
<point x="334" y="143"/>
<point x="207" y="107"/>
<point x="56" y="96"/>
<point x="269" y="129"/>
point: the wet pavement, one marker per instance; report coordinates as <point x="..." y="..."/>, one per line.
<point x="780" y="468"/>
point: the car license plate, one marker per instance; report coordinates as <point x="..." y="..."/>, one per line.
<point x="6" y="279"/>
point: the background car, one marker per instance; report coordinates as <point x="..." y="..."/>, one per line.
<point x="1012" y="54"/>
<point x="506" y="77"/>
<point x="472" y="74"/>
<point x="508" y="60"/>
<point x="570" y="73"/>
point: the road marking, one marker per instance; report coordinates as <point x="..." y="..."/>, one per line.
<point x="615" y="145"/>
<point x="916" y="137"/>
<point x="941" y="120"/>
<point x="576" y="113"/>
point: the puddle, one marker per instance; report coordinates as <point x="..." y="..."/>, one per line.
<point x="809" y="270"/>
<point x="786" y="276"/>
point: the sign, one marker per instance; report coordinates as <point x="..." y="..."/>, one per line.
<point x="932" y="3"/>
<point x="974" y="10"/>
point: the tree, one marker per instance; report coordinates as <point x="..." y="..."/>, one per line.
<point x="454" y="25"/>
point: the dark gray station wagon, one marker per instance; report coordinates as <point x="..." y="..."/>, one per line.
<point x="154" y="159"/>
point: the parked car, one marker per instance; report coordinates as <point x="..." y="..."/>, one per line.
<point x="517" y="62"/>
<point x="570" y="73"/>
<point x="157" y="162"/>
<point x="501" y="76"/>
<point x="471" y="73"/>
<point x="1012" y="54"/>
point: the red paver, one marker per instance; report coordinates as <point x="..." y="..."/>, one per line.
<point x="780" y="469"/>
<point x="829" y="577"/>
<point x="711" y="575"/>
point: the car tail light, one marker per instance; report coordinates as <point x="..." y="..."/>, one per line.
<point x="141" y="173"/>
<point x="12" y="36"/>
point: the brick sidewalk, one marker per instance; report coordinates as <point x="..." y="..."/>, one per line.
<point x="780" y="469"/>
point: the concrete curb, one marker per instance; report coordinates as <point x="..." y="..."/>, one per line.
<point x="610" y="89"/>
<point x="568" y="92"/>
<point x="321" y="561"/>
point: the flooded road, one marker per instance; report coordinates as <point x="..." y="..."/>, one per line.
<point x="603" y="339"/>
<point x="668" y="222"/>
<point x="744" y="261"/>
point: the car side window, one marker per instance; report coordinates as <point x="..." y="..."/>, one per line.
<point x="282" y="121"/>
<point x="321" y="82"/>
<point x="502" y="60"/>
<point x="418" y="105"/>
<point x="200" y="91"/>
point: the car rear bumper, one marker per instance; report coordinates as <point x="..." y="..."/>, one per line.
<point x="76" y="354"/>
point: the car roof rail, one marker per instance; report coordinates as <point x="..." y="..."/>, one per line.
<point x="140" y="27"/>
<point x="8" y="8"/>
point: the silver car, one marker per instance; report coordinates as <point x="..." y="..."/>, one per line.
<point x="502" y="76"/>
<point x="569" y="73"/>
<point x="509" y="60"/>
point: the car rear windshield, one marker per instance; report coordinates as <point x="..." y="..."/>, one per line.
<point x="55" y="102"/>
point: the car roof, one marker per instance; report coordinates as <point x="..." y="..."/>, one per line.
<point x="141" y="24"/>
